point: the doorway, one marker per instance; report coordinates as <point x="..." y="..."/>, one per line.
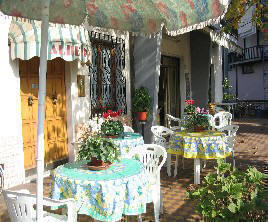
<point x="55" y="122"/>
<point x="169" y="88"/>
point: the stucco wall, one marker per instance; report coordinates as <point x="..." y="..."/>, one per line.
<point x="11" y="142"/>
<point x="250" y="86"/>
<point x="217" y="75"/>
<point x="147" y="71"/>
<point x="200" y="62"/>
<point x="78" y="108"/>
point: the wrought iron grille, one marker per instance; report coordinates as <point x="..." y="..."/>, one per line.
<point x="107" y="83"/>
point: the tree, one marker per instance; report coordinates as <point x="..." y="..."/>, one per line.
<point x="237" y="10"/>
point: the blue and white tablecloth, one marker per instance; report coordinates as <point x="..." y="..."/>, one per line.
<point x="128" y="141"/>
<point x="107" y="194"/>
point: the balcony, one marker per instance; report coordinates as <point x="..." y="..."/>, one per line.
<point x="249" y="55"/>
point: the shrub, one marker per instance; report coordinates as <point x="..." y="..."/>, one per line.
<point x="231" y="195"/>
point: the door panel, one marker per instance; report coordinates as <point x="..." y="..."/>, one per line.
<point x="55" y="122"/>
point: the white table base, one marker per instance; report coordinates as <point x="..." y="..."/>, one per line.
<point x="197" y="171"/>
<point x="168" y="164"/>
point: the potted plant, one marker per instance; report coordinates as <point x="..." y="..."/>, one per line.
<point x="142" y="103"/>
<point x="112" y="126"/>
<point x="99" y="151"/>
<point x="227" y="96"/>
<point x="196" y="119"/>
<point x="231" y="195"/>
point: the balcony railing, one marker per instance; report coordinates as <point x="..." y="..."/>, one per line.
<point x="251" y="54"/>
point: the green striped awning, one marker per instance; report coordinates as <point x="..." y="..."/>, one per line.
<point x="66" y="41"/>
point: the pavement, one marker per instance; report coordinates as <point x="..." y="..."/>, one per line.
<point x="251" y="149"/>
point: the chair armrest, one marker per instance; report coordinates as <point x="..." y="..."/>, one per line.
<point x="70" y="203"/>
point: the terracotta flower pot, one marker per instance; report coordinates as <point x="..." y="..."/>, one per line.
<point x="211" y="107"/>
<point x="199" y="129"/>
<point x="143" y="116"/>
<point x="95" y="162"/>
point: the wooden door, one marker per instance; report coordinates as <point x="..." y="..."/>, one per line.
<point x="55" y="122"/>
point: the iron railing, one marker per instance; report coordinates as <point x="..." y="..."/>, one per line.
<point x="251" y="54"/>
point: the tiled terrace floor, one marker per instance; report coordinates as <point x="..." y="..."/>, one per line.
<point x="251" y="149"/>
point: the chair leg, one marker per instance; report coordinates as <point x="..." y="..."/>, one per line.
<point x="139" y="218"/>
<point x="205" y="163"/>
<point x="168" y="164"/>
<point x="156" y="201"/>
<point x="182" y="159"/>
<point x="233" y="158"/>
<point x="161" y="203"/>
<point x="176" y="166"/>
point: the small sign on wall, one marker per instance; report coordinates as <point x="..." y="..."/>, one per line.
<point x="81" y="86"/>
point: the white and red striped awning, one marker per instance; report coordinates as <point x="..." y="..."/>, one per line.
<point x="66" y="41"/>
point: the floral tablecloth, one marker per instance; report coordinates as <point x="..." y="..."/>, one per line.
<point x="107" y="194"/>
<point x="205" y="145"/>
<point x="128" y="141"/>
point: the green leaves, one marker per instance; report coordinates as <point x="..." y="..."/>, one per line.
<point x="101" y="148"/>
<point x="231" y="195"/>
<point x="142" y="101"/>
<point x="111" y="128"/>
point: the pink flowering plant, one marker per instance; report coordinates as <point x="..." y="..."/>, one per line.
<point x="196" y="117"/>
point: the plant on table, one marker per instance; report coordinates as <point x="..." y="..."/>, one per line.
<point x="111" y="126"/>
<point x="231" y="195"/>
<point x="101" y="149"/>
<point x="196" y="118"/>
<point x="142" y="102"/>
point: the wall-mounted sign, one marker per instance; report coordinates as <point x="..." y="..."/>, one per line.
<point x="81" y="86"/>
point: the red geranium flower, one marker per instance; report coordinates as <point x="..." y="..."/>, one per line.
<point x="113" y="114"/>
<point x="105" y="115"/>
<point x="190" y="101"/>
<point x="110" y="111"/>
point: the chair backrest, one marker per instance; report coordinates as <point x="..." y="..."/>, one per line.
<point x="153" y="157"/>
<point x="159" y="132"/>
<point x="20" y="206"/>
<point x="221" y="119"/>
<point x="128" y="129"/>
<point x="230" y="134"/>
<point x="171" y="119"/>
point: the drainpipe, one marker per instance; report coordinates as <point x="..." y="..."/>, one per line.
<point x="236" y="82"/>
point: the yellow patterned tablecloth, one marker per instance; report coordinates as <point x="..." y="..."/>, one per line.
<point x="205" y="145"/>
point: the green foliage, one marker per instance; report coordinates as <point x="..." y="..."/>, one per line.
<point x="101" y="148"/>
<point x="142" y="101"/>
<point x="189" y="109"/>
<point x="227" y="96"/>
<point x="112" y="127"/>
<point x="231" y="195"/>
<point x="196" y="120"/>
<point x="237" y="9"/>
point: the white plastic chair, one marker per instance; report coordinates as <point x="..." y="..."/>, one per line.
<point x="20" y="206"/>
<point x="128" y="129"/>
<point x="171" y="119"/>
<point x="230" y="137"/>
<point x="153" y="157"/>
<point x="158" y="138"/>
<point x="221" y="119"/>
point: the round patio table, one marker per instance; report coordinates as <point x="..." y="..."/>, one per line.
<point x="107" y="194"/>
<point x="205" y="145"/>
<point x="127" y="142"/>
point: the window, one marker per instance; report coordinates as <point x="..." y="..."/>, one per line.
<point x="247" y="69"/>
<point x="107" y="83"/>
